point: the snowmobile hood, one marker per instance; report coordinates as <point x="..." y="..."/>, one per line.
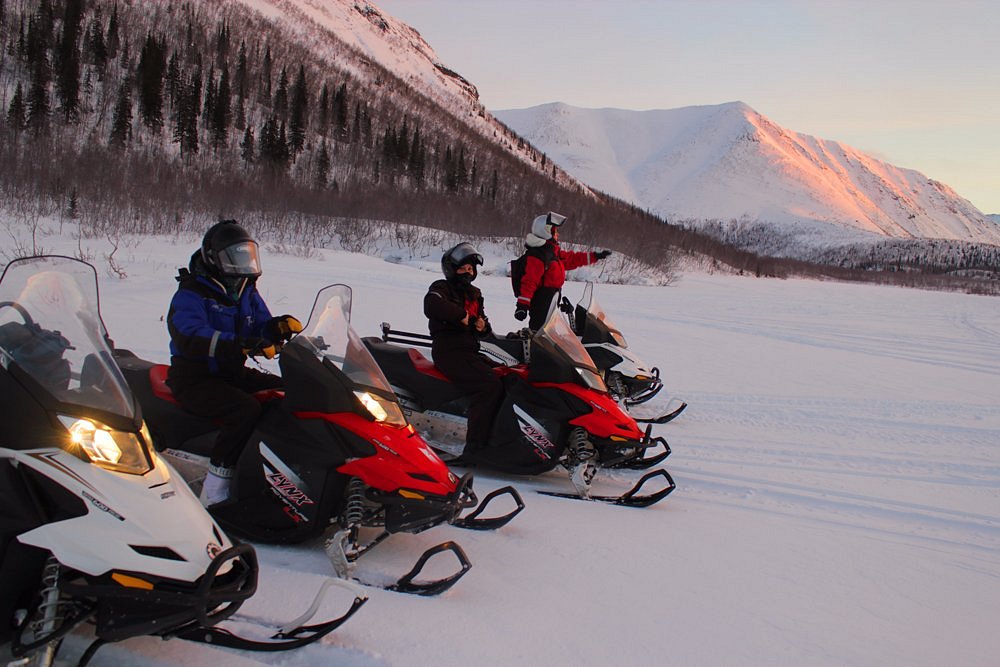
<point x="151" y="524"/>
<point x="329" y="337"/>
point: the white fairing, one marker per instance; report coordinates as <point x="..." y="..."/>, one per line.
<point x="629" y="366"/>
<point x="152" y="510"/>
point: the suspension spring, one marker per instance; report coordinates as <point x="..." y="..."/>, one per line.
<point x="48" y="617"/>
<point x="354" y="506"/>
<point x="579" y="445"/>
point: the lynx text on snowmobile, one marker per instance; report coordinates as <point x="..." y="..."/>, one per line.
<point x="94" y="525"/>
<point x="556" y="411"/>
<point x="332" y="453"/>
<point x="629" y="379"/>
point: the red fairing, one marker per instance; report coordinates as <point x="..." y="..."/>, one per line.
<point x="383" y="470"/>
<point x="606" y="419"/>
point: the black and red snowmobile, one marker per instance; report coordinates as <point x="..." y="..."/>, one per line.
<point x="332" y="453"/>
<point x="556" y="411"/>
<point x="95" y="527"/>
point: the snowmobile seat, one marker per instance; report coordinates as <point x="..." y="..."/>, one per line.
<point x="158" y="381"/>
<point x="425" y="365"/>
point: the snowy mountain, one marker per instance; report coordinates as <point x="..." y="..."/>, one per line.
<point x="359" y="38"/>
<point x="727" y="162"/>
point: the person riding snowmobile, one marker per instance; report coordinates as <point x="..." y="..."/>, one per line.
<point x="457" y="320"/>
<point x="216" y="318"/>
<point x="545" y="268"/>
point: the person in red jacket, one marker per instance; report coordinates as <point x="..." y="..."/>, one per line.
<point x="545" y="269"/>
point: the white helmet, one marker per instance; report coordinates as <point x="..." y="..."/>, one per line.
<point x="543" y="224"/>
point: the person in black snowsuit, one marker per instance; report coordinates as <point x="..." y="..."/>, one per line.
<point x="457" y="320"/>
<point x="216" y="318"/>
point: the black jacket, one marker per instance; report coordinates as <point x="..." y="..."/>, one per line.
<point x="446" y="305"/>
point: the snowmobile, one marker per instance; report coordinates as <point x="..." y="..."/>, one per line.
<point x="332" y="453"/>
<point x="94" y="525"/>
<point x="629" y="380"/>
<point x="556" y="411"/>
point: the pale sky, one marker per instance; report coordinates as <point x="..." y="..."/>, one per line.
<point x="913" y="82"/>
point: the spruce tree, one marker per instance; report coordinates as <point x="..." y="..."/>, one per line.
<point x="68" y="79"/>
<point x="17" y="112"/>
<point x="121" y="125"/>
<point x="150" y="74"/>
<point x="281" y="95"/>
<point x="298" y="113"/>
<point x="247" y="147"/>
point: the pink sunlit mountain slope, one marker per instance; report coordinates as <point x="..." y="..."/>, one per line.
<point x="728" y="162"/>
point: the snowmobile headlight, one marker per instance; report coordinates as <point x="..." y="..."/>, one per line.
<point x="120" y="451"/>
<point x="592" y="379"/>
<point x="619" y="339"/>
<point x="381" y="410"/>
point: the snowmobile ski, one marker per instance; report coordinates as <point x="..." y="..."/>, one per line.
<point x="664" y="418"/>
<point x="291" y="635"/>
<point x="630" y="498"/>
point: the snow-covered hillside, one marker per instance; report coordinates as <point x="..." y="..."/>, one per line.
<point x="838" y="471"/>
<point x="728" y="162"/>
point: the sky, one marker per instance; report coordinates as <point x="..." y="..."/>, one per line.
<point x="912" y="82"/>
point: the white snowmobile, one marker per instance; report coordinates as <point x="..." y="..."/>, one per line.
<point x="629" y="379"/>
<point x="94" y="525"/>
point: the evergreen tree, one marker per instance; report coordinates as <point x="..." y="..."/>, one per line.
<point x="17" y="117"/>
<point x="324" y="109"/>
<point x="38" y="97"/>
<point x="221" y="115"/>
<point x="417" y="163"/>
<point x="210" y="92"/>
<point x="264" y="96"/>
<point x="281" y="95"/>
<point x="113" y="40"/>
<point x="97" y="47"/>
<point x="340" y="114"/>
<point x="150" y="74"/>
<point x="298" y="113"/>
<point x="121" y="125"/>
<point x="322" y="166"/>
<point x="68" y="79"/>
<point x="240" y="119"/>
<point x="247" y="147"/>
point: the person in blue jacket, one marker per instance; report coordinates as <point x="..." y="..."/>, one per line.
<point x="216" y="318"/>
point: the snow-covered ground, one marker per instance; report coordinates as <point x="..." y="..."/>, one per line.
<point x="838" y="499"/>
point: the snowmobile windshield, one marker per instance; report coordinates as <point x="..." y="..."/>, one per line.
<point x="52" y="336"/>
<point x="555" y="346"/>
<point x="598" y="327"/>
<point x="330" y="337"/>
<point x="51" y="328"/>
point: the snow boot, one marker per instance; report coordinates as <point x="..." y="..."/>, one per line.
<point x="216" y="486"/>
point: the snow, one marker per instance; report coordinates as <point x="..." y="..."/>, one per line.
<point x="728" y="162"/>
<point x="838" y="499"/>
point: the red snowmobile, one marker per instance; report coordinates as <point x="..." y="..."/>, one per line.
<point x="556" y="411"/>
<point x="332" y="453"/>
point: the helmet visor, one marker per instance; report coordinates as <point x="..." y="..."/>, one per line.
<point x="240" y="259"/>
<point x="465" y="253"/>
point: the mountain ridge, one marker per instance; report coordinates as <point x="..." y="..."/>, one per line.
<point x="729" y="162"/>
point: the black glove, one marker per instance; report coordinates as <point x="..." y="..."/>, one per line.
<point x="259" y="347"/>
<point x="602" y="254"/>
<point x="282" y="328"/>
<point x="520" y="313"/>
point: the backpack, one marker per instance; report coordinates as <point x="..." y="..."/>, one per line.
<point x="517" y="272"/>
<point x="518" y="265"/>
